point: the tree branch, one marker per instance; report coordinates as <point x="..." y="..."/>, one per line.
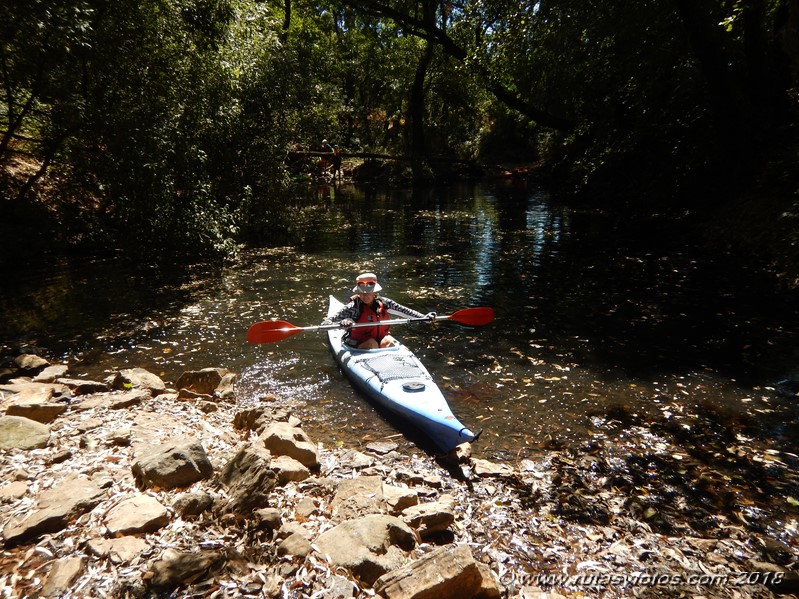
<point x="429" y="31"/>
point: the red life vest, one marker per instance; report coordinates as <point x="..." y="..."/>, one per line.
<point x="368" y="314"/>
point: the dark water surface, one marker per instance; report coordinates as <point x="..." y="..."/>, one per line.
<point x="596" y="314"/>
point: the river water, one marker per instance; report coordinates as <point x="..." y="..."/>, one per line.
<point x="594" y="314"/>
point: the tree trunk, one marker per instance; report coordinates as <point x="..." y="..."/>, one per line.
<point x="420" y="167"/>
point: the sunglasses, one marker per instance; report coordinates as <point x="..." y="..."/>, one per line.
<point x="366" y="283"/>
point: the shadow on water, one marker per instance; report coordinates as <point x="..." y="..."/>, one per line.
<point x="641" y="296"/>
<point x="92" y="304"/>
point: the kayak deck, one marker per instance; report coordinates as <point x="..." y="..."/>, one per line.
<point x="395" y="379"/>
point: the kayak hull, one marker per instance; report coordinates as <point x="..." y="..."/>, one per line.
<point x="396" y="380"/>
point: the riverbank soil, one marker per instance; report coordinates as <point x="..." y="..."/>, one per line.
<point x="179" y="490"/>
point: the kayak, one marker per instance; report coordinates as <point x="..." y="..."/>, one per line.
<point x="395" y="379"/>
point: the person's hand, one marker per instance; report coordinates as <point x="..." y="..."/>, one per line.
<point x="346" y="323"/>
<point x="431" y="316"/>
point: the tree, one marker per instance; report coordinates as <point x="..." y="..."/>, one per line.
<point x="415" y="19"/>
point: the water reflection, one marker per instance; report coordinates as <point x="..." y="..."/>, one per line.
<point x="593" y="314"/>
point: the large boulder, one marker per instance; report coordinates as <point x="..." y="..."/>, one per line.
<point x="368" y="546"/>
<point x="446" y="573"/>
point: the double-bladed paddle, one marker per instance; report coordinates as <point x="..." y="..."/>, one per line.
<point x="270" y="331"/>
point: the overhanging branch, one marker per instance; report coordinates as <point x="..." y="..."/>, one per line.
<point x="426" y="30"/>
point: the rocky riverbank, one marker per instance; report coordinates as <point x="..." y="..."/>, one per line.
<point x="137" y="487"/>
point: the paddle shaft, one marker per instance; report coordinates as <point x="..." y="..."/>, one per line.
<point x="269" y="331"/>
<point x="382" y="323"/>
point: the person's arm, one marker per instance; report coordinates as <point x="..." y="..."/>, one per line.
<point x="348" y="312"/>
<point x="400" y="310"/>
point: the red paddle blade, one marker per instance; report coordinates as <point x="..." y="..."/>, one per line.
<point x="270" y="331"/>
<point x="473" y="316"/>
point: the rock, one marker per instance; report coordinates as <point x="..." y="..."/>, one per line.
<point x="356" y="497"/>
<point x="115" y="400"/>
<point x="288" y="469"/>
<point x="13" y="490"/>
<point x="424" y="479"/>
<point x="486" y="469"/>
<point x="268" y="518"/>
<point x="81" y="387"/>
<point x="249" y="478"/>
<point x="296" y="545"/>
<point x="281" y="438"/>
<point x="368" y="546"/>
<point x="427" y="518"/>
<point x="138" y="514"/>
<point x="119" y="438"/>
<point x="382" y="447"/>
<point x="251" y="419"/>
<point x="258" y="419"/>
<point x="338" y="587"/>
<point x="31" y="363"/>
<point x="40" y="412"/>
<point x="291" y="528"/>
<point x="305" y="508"/>
<point x="138" y="378"/>
<point x="60" y="456"/>
<point x="51" y="373"/>
<point x="461" y="454"/>
<point x="203" y="382"/>
<point x="120" y="551"/>
<point x="192" y="504"/>
<point x="56" y="508"/>
<point x="36" y="401"/>
<point x="352" y="459"/>
<point x="445" y="573"/>
<point x="88" y="424"/>
<point x="398" y="498"/>
<point x="29" y="392"/>
<point x="172" y="466"/>
<point x="17" y="432"/>
<point x="174" y="567"/>
<point x="226" y="388"/>
<point x="186" y="394"/>
<point x="63" y="573"/>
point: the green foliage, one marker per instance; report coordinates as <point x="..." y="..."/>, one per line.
<point x="164" y="125"/>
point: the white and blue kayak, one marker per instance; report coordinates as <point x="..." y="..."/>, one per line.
<point x="396" y="380"/>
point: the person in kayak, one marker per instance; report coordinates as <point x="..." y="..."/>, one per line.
<point x="366" y="306"/>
